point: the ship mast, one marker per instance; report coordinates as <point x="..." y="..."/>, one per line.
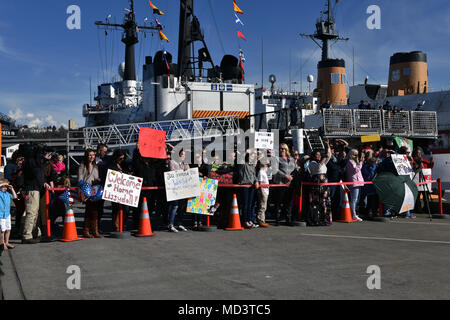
<point x="189" y="33"/>
<point x="331" y="78"/>
<point x="326" y="32"/>
<point x="129" y="38"/>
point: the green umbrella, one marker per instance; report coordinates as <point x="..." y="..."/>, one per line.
<point x="396" y="192"/>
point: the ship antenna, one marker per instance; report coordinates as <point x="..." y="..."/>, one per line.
<point x="130" y="39"/>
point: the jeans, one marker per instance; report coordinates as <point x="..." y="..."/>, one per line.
<point x="175" y="207"/>
<point x="354" y="198"/>
<point x="246" y="204"/>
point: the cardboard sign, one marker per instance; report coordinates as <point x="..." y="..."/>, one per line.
<point x="427" y="174"/>
<point x="402" y="165"/>
<point x="371" y="138"/>
<point x="264" y="140"/>
<point x="408" y="201"/>
<point x="207" y="199"/>
<point x="182" y="184"/>
<point x="122" y="188"/>
<point x="152" y="143"/>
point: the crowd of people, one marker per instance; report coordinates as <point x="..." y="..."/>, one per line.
<point x="271" y="185"/>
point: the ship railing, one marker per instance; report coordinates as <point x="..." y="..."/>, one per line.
<point x="353" y="122"/>
<point x="397" y="123"/>
<point x="338" y="122"/>
<point x="117" y="136"/>
<point x="424" y="123"/>
<point x="367" y="122"/>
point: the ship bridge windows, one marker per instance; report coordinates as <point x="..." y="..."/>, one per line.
<point x="395" y="75"/>
<point x="407" y="71"/>
<point x="335" y="78"/>
<point x="344" y="78"/>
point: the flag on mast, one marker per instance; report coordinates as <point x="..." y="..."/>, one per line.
<point x="240" y="35"/>
<point x="236" y="8"/>
<point x="162" y="36"/>
<point x="155" y="9"/>
<point x="238" y="21"/>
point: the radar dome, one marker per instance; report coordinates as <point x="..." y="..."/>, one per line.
<point x="310" y="78"/>
<point x="272" y="79"/>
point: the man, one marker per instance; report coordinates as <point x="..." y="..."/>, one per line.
<point x="294" y="113"/>
<point x="362" y="105"/>
<point x="34" y="186"/>
<point x="419" y="107"/>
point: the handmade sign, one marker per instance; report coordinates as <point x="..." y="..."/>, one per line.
<point x="226" y="178"/>
<point x="427" y="174"/>
<point x="402" y="165"/>
<point x="207" y="198"/>
<point x="182" y="184"/>
<point x="152" y="143"/>
<point x="264" y="140"/>
<point x="122" y="188"/>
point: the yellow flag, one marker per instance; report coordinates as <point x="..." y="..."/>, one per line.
<point x="162" y="36"/>
<point x="237" y="9"/>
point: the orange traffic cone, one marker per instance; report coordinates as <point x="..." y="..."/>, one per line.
<point x="235" y="220"/>
<point x="145" y="228"/>
<point x="346" y="213"/>
<point x="70" y="228"/>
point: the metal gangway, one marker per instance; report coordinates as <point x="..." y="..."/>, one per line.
<point x="127" y="135"/>
<point x="351" y="122"/>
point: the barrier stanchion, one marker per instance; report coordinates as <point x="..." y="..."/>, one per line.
<point x="441" y="214"/>
<point x="47" y="213"/>
<point x="121" y="234"/>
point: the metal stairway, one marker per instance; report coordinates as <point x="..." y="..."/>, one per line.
<point x="314" y="139"/>
<point x="126" y="135"/>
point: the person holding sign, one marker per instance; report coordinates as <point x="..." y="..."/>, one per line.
<point x="419" y="163"/>
<point x="118" y="164"/>
<point x="176" y="208"/>
<point x="88" y="172"/>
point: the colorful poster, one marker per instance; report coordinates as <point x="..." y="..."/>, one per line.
<point x="152" y="143"/>
<point x="122" y="188"/>
<point x="226" y="178"/>
<point x="207" y="198"/>
<point x="182" y="184"/>
<point x="402" y="165"/>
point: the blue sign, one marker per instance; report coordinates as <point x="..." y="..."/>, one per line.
<point x="221" y="87"/>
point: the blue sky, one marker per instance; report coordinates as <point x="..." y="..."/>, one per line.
<point x="45" y="68"/>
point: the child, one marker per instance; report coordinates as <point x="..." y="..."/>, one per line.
<point x="263" y="193"/>
<point x="59" y="167"/>
<point x="5" y="217"/>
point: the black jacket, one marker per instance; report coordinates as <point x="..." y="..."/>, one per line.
<point x="33" y="173"/>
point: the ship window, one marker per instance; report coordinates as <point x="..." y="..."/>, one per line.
<point x="165" y="80"/>
<point x="395" y="75"/>
<point x="407" y="72"/>
<point x="335" y="78"/>
<point x="344" y="78"/>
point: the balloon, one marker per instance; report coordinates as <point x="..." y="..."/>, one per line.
<point x="97" y="193"/>
<point x="85" y="188"/>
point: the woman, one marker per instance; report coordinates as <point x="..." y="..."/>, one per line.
<point x="282" y="196"/>
<point x="319" y="196"/>
<point x="177" y="207"/>
<point x="118" y="164"/>
<point x="354" y="174"/>
<point x="88" y="172"/>
<point x="246" y="175"/>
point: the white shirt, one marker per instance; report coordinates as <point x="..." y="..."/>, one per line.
<point x="263" y="179"/>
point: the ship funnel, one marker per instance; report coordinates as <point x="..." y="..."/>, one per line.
<point x="331" y="81"/>
<point x="408" y="74"/>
